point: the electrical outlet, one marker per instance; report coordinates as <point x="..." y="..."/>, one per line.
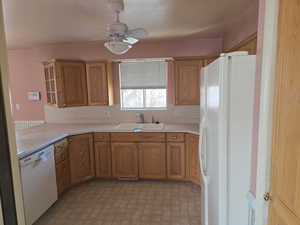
<point x="18" y="107"/>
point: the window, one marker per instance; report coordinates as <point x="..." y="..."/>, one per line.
<point x="143" y="84"/>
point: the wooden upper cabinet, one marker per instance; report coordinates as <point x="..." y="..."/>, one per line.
<point x="187" y="82"/>
<point x="152" y="160"/>
<point x="175" y="160"/>
<point x="73" y="89"/>
<point x="125" y="160"/>
<point x="97" y="83"/>
<point x="81" y="154"/>
<point x="192" y="158"/>
<point x="65" y="83"/>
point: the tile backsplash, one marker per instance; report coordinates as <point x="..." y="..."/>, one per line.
<point x="113" y="114"/>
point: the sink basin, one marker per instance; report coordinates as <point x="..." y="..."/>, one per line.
<point x="140" y="126"/>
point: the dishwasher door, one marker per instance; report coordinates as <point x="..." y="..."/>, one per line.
<point x="39" y="183"/>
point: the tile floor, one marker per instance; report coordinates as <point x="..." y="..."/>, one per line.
<point x="127" y="203"/>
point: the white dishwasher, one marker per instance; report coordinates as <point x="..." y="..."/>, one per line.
<point x="39" y="183"/>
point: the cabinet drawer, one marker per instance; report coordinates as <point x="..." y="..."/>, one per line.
<point x="175" y="137"/>
<point x="138" y="137"/>
<point x="101" y="137"/>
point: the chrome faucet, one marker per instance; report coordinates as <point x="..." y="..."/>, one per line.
<point x="141" y="117"/>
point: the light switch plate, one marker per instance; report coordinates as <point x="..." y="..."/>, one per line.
<point x="33" y="95"/>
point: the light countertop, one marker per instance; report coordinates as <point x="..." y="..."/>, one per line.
<point x="36" y="138"/>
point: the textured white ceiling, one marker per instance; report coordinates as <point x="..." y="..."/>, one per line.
<point x="30" y="22"/>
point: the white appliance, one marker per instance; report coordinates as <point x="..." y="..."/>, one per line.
<point x="227" y="101"/>
<point x="39" y="183"/>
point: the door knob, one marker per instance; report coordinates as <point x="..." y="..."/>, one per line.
<point x="267" y="196"/>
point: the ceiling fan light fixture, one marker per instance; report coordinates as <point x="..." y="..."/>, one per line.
<point x="117" y="47"/>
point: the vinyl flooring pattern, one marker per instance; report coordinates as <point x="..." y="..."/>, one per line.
<point x="127" y="203"/>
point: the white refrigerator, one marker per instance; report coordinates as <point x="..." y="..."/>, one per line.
<point x="227" y="103"/>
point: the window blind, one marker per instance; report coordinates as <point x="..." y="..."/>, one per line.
<point x="143" y="75"/>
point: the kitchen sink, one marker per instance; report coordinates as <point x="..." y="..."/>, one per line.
<point x="140" y="126"/>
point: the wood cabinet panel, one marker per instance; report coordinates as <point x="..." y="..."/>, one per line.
<point x="192" y="158"/>
<point x="101" y="136"/>
<point x="187" y="82"/>
<point x="125" y="160"/>
<point x="152" y="160"/>
<point x="81" y="153"/>
<point x="175" y="137"/>
<point x="74" y="83"/>
<point x="62" y="175"/>
<point x="175" y="160"/>
<point x="103" y="159"/>
<point x="97" y="83"/>
<point x="137" y="137"/>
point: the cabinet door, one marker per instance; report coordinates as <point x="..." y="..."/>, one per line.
<point x="187" y="82"/>
<point x="81" y="153"/>
<point x="97" y="83"/>
<point x="192" y="158"/>
<point x="62" y="175"/>
<point x="125" y="160"/>
<point x="103" y="159"/>
<point x="176" y="160"/>
<point x="152" y="160"/>
<point x="74" y="87"/>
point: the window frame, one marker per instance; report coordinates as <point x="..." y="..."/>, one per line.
<point x="144" y="100"/>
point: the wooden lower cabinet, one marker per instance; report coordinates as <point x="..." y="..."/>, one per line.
<point x="62" y="166"/>
<point x="81" y="153"/>
<point x="62" y="176"/>
<point x="192" y="158"/>
<point x="152" y="160"/>
<point x="103" y="160"/>
<point x="175" y="160"/>
<point x="125" y="160"/>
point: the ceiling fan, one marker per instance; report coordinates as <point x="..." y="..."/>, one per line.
<point x="119" y="38"/>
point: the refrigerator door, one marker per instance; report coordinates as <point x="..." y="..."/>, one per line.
<point x="212" y="157"/>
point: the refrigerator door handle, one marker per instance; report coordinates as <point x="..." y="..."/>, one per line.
<point x="202" y="149"/>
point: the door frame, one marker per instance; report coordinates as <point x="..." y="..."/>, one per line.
<point x="267" y="91"/>
<point x="9" y="128"/>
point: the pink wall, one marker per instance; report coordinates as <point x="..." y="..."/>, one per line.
<point x="26" y="69"/>
<point x="243" y="28"/>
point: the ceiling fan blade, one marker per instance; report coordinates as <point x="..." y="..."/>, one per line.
<point x="137" y="33"/>
<point x="131" y="40"/>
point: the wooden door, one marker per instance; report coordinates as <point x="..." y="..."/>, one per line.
<point x="175" y="160"/>
<point x="192" y="158"/>
<point x="103" y="159"/>
<point x="97" y="83"/>
<point x="187" y="82"/>
<point x="125" y="160"/>
<point x="152" y="160"/>
<point x="74" y="87"/>
<point x="285" y="193"/>
<point x="81" y="154"/>
<point x="62" y="175"/>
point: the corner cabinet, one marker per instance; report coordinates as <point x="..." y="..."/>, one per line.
<point x="66" y="83"/>
<point x="81" y="154"/>
<point x="71" y="83"/>
<point x="187" y="81"/>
